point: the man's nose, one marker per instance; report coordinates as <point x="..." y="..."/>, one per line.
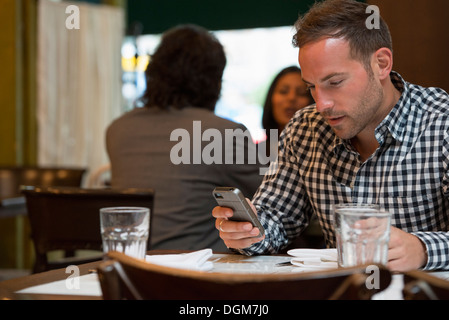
<point x="323" y="101"/>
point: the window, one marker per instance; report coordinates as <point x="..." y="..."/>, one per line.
<point x="254" y="57"/>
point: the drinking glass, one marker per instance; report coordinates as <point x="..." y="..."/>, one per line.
<point x="125" y="229"/>
<point x="362" y="232"/>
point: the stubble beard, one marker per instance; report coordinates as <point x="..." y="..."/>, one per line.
<point x="365" y="115"/>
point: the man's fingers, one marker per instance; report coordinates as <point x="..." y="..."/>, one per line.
<point x="240" y="235"/>
<point x="235" y="234"/>
<point x="242" y="243"/>
<point x="222" y="212"/>
<point x="229" y="226"/>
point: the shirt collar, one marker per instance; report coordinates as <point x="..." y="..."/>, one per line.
<point x="395" y="122"/>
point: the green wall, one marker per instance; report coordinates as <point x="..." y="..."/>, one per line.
<point x="157" y="16"/>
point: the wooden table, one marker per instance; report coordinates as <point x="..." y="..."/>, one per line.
<point x="9" y="288"/>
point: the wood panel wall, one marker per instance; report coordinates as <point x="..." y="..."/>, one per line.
<point x="420" y="30"/>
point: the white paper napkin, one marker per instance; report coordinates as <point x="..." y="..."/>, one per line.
<point x="314" y="259"/>
<point x="86" y="285"/>
<point x="197" y="260"/>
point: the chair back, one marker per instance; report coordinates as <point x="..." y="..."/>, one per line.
<point x="124" y="277"/>
<point x="68" y="218"/>
<point x="420" y="285"/>
<point x="11" y="178"/>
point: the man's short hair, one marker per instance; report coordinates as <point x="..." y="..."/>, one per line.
<point x="345" y="19"/>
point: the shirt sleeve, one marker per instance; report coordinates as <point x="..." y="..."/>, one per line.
<point x="437" y="243"/>
<point x="437" y="246"/>
<point x="281" y="202"/>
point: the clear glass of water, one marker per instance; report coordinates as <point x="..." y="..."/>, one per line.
<point x="362" y="232"/>
<point x="125" y="229"/>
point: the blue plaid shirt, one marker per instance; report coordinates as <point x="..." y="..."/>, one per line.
<point x="408" y="174"/>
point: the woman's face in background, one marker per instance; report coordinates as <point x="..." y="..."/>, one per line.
<point x="290" y="94"/>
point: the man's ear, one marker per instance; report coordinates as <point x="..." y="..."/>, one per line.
<point x="383" y="63"/>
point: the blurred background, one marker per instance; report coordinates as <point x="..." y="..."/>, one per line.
<point x="71" y="67"/>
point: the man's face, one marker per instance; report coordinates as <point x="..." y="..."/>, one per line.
<point x="346" y="95"/>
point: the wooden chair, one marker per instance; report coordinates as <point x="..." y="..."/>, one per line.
<point x="11" y="178"/>
<point x="420" y="285"/>
<point x="123" y="277"/>
<point x="68" y="218"/>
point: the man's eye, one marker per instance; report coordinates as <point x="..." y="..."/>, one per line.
<point x="336" y="83"/>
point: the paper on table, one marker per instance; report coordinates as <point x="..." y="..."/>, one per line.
<point x="86" y="285"/>
<point x="89" y="285"/>
<point x="197" y="260"/>
<point x="314" y="259"/>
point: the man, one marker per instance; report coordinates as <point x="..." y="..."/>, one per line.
<point x="370" y="138"/>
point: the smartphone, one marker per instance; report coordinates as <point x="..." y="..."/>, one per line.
<point x="233" y="198"/>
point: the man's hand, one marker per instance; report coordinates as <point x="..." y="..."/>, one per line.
<point x="405" y="251"/>
<point x="237" y="235"/>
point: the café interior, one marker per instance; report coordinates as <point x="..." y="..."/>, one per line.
<point x="71" y="67"/>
